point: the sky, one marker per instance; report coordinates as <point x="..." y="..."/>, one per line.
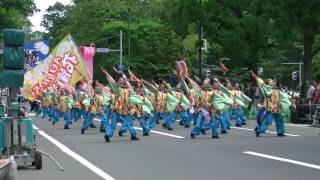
<point x="43" y="5"/>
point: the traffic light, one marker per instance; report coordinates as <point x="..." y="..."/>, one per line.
<point x="295" y="75"/>
<point x="13" y="72"/>
<point x="204" y="45"/>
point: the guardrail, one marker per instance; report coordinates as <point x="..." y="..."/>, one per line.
<point x="306" y="113"/>
<point x="8" y="169"/>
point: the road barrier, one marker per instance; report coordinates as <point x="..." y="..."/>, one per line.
<point x="8" y="169"/>
<point x="306" y="114"/>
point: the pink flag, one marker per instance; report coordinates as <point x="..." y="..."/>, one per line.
<point x="87" y="54"/>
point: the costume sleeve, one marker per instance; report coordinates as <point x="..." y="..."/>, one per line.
<point x="265" y="89"/>
<point x="147" y="106"/>
<point x="185" y="103"/>
<point x="285" y="104"/>
<point x="225" y="90"/>
<point x="134" y="99"/>
<point x="172" y="102"/>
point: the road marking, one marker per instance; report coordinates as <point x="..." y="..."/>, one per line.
<point x="298" y="125"/>
<point x="283" y="159"/>
<point x="181" y="137"/>
<point x="289" y="124"/>
<point x="271" y="132"/>
<point x="165" y="134"/>
<point x="155" y="132"/>
<point x="74" y="155"/>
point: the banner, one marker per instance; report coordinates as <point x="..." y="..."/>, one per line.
<point x="35" y="53"/>
<point x="87" y="54"/>
<point x="63" y="65"/>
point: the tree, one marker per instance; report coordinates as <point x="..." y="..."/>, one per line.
<point x="303" y="16"/>
<point x="14" y="13"/>
<point x="154" y="47"/>
<point x="252" y="33"/>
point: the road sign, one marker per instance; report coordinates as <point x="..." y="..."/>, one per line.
<point x="121" y="67"/>
<point x="1" y="51"/>
<point x="102" y="50"/>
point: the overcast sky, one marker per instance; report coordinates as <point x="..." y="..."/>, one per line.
<point x="43" y="5"/>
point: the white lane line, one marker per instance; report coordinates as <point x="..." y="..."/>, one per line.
<point x="289" y="124"/>
<point x="283" y="159"/>
<point x="156" y="132"/>
<point x="271" y="132"/>
<point x="75" y="156"/>
<point x="298" y="125"/>
<point x="247" y="129"/>
<point x="35" y="127"/>
<point x="181" y="137"/>
<point x="165" y="134"/>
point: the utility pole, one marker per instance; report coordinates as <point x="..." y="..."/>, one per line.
<point x="121" y="48"/>
<point x="129" y="34"/>
<point x="200" y="41"/>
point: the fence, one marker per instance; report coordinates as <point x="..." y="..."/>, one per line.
<point x="8" y="169"/>
<point x="306" y="113"/>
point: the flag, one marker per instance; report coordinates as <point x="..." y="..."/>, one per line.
<point x="223" y="68"/>
<point x="87" y="54"/>
<point x="64" y="65"/>
<point x="133" y="77"/>
<point x="182" y="69"/>
<point x="35" y="54"/>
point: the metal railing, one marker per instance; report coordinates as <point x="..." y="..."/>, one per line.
<point x="8" y="169"/>
<point x="306" y="113"/>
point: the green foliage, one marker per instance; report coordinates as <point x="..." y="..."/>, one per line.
<point x="252" y="33"/>
<point x="154" y="47"/>
<point x="14" y="13"/>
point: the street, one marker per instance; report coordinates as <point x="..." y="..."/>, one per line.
<point x="174" y="155"/>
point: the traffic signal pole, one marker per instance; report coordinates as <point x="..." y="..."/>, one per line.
<point x="300" y="71"/>
<point x="120" y="50"/>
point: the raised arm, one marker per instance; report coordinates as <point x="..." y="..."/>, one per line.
<point x="149" y="85"/>
<point x="155" y="84"/>
<point x="108" y="76"/>
<point x="260" y="82"/>
<point x="224" y="89"/>
<point x="184" y="86"/>
<point x="253" y="75"/>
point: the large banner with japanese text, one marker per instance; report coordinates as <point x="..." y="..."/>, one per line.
<point x="64" y="65"/>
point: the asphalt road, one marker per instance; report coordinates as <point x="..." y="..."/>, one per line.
<point x="237" y="155"/>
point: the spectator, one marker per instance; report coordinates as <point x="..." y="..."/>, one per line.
<point x="290" y="92"/>
<point x="315" y="98"/>
<point x="310" y="91"/>
<point x="286" y="90"/>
